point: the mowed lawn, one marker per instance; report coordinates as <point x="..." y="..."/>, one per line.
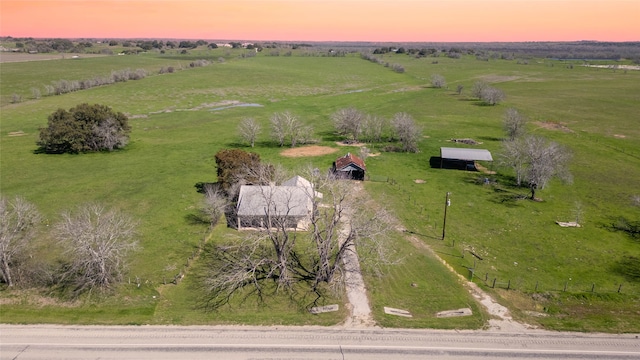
<point x="177" y="128"/>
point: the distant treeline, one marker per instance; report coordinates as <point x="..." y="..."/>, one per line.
<point x="582" y="50"/>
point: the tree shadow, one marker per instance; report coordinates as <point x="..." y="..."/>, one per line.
<point x="481" y="103"/>
<point x="629" y="267"/>
<point x="328" y="135"/>
<point x="436" y="162"/>
<point x="631" y="228"/>
<point x="490" y="138"/>
<point x="503" y="193"/>
<point x="238" y="145"/>
<point x="448" y="254"/>
<point x="197" y="218"/>
<point x="422" y="235"/>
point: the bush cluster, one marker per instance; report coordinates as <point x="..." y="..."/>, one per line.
<point x="395" y="67"/>
<point x="84" y="128"/>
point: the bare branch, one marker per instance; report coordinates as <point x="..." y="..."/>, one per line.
<point x="438" y="81"/>
<point x="287" y="127"/>
<point x="270" y="250"/>
<point x="214" y="204"/>
<point x="249" y="130"/>
<point x="349" y="121"/>
<point x="97" y="242"/>
<point x="537" y="160"/>
<point x="407" y="131"/>
<point x="374" y="127"/>
<point x="514" y="124"/>
<point x="18" y="219"/>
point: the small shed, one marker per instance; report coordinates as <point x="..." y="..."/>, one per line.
<point x="349" y="167"/>
<point x="464" y="157"/>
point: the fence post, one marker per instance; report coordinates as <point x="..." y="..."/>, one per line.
<point x="619" y="288"/>
<point x="494" y="283"/>
<point x="509" y="285"/>
<point x="593" y="286"/>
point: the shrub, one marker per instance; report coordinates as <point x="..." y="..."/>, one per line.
<point x="84" y="128"/>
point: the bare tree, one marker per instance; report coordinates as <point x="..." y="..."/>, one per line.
<point x="349" y="121"/>
<point x="18" y="220"/>
<point x="374" y="127"/>
<point x="214" y="204"/>
<point x="438" y="81"/>
<point x="259" y="258"/>
<point x="407" y="131"/>
<point x="97" y="242"/>
<point x="279" y="127"/>
<point x="341" y="226"/>
<point x="286" y="126"/>
<point x="514" y="156"/>
<point x="249" y="130"/>
<point x="514" y="124"/>
<point x="492" y="96"/>
<point x="269" y="254"/>
<point x="537" y="161"/>
<point x="486" y="93"/>
<point x="107" y="135"/>
<point x="478" y="88"/>
<point x="37" y="94"/>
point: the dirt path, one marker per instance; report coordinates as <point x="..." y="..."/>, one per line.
<point x="502" y="318"/>
<point x="360" y="311"/>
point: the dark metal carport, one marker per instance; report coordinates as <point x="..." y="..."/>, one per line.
<point x="464" y="154"/>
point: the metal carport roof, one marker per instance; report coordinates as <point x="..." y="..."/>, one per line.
<point x="465" y="154"/>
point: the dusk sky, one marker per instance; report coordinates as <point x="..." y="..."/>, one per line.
<point x="325" y="20"/>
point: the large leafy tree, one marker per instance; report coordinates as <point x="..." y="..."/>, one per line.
<point x="233" y="168"/>
<point x="84" y="128"/>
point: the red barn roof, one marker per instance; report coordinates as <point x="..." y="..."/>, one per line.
<point x="349" y="159"/>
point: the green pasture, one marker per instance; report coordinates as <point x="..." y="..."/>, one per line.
<point x="177" y="127"/>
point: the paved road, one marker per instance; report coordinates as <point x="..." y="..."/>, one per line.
<point x="218" y="342"/>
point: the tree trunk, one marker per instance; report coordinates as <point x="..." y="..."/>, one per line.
<point x="533" y="188"/>
<point x="6" y="272"/>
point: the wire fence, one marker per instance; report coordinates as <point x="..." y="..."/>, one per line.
<point x="380" y="178"/>
<point x="568" y="286"/>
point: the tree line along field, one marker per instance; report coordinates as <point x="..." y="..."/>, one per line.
<point x="571" y="276"/>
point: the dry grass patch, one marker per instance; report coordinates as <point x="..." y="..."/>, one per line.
<point x="550" y="125"/>
<point x="313" y="150"/>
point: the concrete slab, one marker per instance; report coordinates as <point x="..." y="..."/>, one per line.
<point x="324" y="309"/>
<point x="397" y="312"/>
<point x="454" y="313"/>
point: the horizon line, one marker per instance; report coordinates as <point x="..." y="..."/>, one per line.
<point x="317" y="41"/>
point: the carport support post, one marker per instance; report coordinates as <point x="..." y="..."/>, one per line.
<point x="447" y="202"/>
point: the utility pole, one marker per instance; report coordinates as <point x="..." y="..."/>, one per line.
<point x="447" y="203"/>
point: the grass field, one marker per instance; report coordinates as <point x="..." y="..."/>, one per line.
<point x="176" y="133"/>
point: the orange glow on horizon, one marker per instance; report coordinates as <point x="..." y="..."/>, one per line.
<point x="328" y="20"/>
